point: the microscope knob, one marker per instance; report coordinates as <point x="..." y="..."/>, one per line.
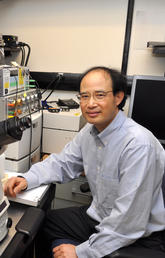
<point x="26" y="122"/>
<point x="9" y="223"/>
<point x="84" y="188"/>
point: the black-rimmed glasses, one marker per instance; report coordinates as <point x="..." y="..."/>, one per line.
<point x="97" y="95"/>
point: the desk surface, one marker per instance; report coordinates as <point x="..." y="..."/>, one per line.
<point x="31" y="197"/>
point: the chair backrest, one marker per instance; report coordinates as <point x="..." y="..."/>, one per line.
<point x="163" y="188"/>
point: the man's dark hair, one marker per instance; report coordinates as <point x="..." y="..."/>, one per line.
<point x="119" y="82"/>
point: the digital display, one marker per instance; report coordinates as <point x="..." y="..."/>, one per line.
<point x="147" y="104"/>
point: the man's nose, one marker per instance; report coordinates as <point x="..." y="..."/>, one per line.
<point x="91" y="101"/>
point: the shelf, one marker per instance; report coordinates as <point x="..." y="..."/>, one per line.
<point x="158" y="48"/>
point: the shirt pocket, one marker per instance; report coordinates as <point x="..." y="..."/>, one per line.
<point x="107" y="191"/>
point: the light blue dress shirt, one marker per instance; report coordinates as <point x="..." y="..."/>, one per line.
<point x="124" y="166"/>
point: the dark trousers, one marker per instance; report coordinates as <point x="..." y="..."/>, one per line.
<point x="68" y="225"/>
<point x="73" y="225"/>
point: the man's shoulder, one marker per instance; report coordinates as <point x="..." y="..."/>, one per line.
<point x="138" y="133"/>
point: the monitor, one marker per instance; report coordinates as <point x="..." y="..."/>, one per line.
<point x="147" y="104"/>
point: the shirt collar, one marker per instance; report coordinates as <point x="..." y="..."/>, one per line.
<point x="116" y="123"/>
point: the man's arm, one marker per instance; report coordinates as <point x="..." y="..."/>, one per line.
<point x="140" y="176"/>
<point x="60" y="168"/>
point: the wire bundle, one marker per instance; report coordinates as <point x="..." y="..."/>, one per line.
<point x="22" y="46"/>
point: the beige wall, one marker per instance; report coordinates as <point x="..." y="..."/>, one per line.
<point x="148" y="25"/>
<point x="72" y="35"/>
<point x="67" y="35"/>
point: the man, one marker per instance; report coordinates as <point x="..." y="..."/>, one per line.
<point x="124" y="166"/>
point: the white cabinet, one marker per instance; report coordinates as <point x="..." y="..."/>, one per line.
<point x="60" y="128"/>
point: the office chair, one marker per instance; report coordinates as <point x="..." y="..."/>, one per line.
<point x="22" y="245"/>
<point x="133" y="251"/>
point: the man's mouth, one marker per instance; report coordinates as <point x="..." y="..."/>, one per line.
<point x="93" y="114"/>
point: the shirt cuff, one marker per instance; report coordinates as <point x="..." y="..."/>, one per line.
<point x="26" y="180"/>
<point x="31" y="180"/>
<point x="85" y="250"/>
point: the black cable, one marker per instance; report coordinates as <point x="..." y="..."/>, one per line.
<point x="41" y="140"/>
<point x="22" y="46"/>
<point x="58" y="80"/>
<point x="30" y="144"/>
<point x="40" y="109"/>
<point x="22" y="56"/>
<point x="50" y="83"/>
<point x="27" y="58"/>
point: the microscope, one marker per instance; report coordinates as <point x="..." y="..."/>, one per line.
<point x="18" y="101"/>
<point x="10" y="131"/>
<point x="4" y="204"/>
<point x="16" y="104"/>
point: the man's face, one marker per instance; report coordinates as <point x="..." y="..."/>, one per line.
<point x="99" y="113"/>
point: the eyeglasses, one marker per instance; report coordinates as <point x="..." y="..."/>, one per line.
<point x="97" y="95"/>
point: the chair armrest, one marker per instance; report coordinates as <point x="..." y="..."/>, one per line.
<point x="30" y="222"/>
<point x="136" y="252"/>
<point x="26" y="230"/>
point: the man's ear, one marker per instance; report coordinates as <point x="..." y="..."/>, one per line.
<point x="119" y="96"/>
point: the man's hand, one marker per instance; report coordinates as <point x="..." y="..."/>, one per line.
<point x="15" y="185"/>
<point x="65" y="251"/>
